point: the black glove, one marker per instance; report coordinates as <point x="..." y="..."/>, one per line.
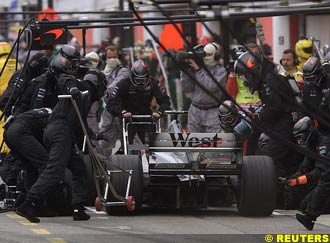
<point x="75" y="93"/>
<point x="156" y="115"/>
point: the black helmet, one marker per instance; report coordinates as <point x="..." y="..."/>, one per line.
<point x="38" y="63"/>
<point x="312" y="71"/>
<point x="248" y="62"/>
<point x="140" y="77"/>
<point x="98" y="80"/>
<point x="39" y="60"/>
<point x="248" y="65"/>
<point x="228" y="115"/>
<point x="60" y="65"/>
<point x="302" y="130"/>
<point x="71" y="53"/>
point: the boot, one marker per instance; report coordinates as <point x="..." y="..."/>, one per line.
<point x="28" y="210"/>
<point x="20" y="199"/>
<point x="79" y="213"/>
<point x="306" y="220"/>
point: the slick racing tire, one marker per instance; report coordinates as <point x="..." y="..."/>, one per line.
<point x="119" y="181"/>
<point x="257" y="196"/>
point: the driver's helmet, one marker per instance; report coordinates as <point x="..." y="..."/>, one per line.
<point x="304" y="48"/>
<point x="228" y="115"/>
<point x="71" y="53"/>
<point x="302" y="130"/>
<point x="140" y="77"/>
<point x="60" y="65"/>
<point x="312" y="71"/>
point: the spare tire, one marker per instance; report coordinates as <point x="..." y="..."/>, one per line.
<point x="257" y="195"/>
<point x="119" y="181"/>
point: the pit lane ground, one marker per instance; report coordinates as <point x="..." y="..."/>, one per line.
<point x="156" y="225"/>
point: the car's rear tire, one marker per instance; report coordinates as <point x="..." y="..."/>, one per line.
<point x="257" y="196"/>
<point x="119" y="181"/>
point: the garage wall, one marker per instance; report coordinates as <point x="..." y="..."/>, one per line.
<point x="319" y="28"/>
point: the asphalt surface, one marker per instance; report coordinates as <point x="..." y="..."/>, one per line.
<point x="157" y="225"/>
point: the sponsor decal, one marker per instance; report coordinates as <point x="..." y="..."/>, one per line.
<point x="186" y="141"/>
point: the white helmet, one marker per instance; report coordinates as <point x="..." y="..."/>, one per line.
<point x="210" y="54"/>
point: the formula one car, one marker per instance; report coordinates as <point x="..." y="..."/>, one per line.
<point x="185" y="170"/>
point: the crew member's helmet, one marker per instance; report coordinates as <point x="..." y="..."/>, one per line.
<point x="60" y="65"/>
<point x="228" y="116"/>
<point x="140" y="77"/>
<point x="71" y="53"/>
<point x="38" y="63"/>
<point x="304" y="48"/>
<point x="302" y="130"/>
<point x="313" y="71"/>
<point x="4" y="48"/>
<point x="248" y="65"/>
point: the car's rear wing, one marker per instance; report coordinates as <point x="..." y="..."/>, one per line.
<point x="203" y="142"/>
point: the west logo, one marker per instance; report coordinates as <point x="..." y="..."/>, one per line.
<point x="195" y="141"/>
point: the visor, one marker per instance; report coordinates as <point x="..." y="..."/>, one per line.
<point x="308" y="50"/>
<point x="75" y="62"/>
<point x="312" y="79"/>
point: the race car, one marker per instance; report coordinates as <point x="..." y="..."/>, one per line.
<point x="185" y="170"/>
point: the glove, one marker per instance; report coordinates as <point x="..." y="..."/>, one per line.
<point x="156" y="115"/>
<point x="75" y="93"/>
<point x="126" y="115"/>
<point x="301" y="180"/>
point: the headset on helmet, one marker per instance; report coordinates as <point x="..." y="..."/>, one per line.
<point x="228" y="116"/>
<point x="4" y="48"/>
<point x="140" y="77"/>
<point x="302" y="130"/>
<point x="304" y="48"/>
<point x="313" y="71"/>
<point x="60" y="65"/>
